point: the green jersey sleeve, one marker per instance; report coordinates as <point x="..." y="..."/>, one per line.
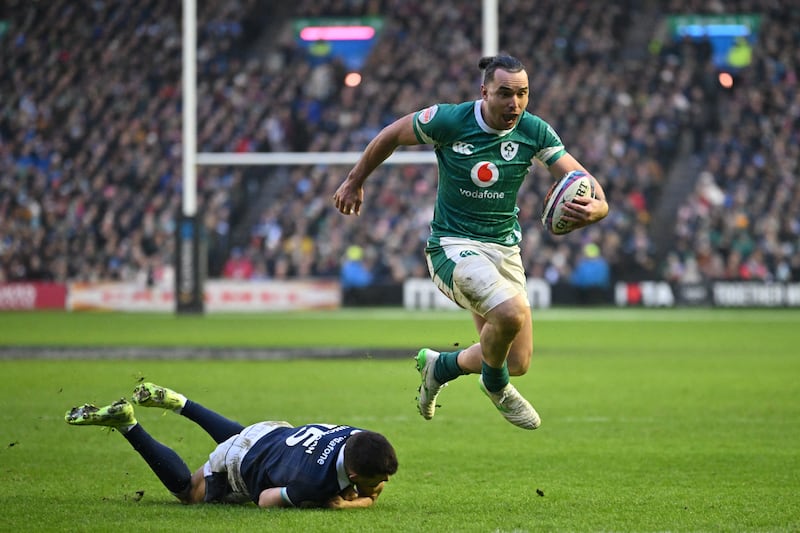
<point x="544" y="137"/>
<point x="438" y="124"/>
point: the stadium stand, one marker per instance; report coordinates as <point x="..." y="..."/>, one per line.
<point x="90" y="137"/>
<point x="739" y="219"/>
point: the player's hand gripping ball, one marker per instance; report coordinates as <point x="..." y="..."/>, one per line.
<point x="572" y="184"/>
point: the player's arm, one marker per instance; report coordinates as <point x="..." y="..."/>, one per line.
<point x="272" y="497"/>
<point x="350" y="194"/>
<point x="359" y="502"/>
<point x="582" y="210"/>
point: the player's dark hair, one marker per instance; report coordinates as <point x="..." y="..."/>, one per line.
<point x="489" y="64"/>
<point x="370" y="454"/>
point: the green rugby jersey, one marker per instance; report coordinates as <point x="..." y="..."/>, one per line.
<point x="481" y="169"/>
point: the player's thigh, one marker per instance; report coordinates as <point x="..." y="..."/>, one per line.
<point x="476" y="276"/>
<point x="479" y="321"/>
<point x="197" y="492"/>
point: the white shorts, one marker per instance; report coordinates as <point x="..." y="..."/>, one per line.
<point x="228" y="455"/>
<point x="476" y="275"/>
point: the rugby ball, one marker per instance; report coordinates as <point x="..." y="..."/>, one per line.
<point x="572" y="184"/>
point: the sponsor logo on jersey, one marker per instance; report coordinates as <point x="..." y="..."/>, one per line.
<point x="483" y="194"/>
<point x="462" y="148"/>
<point x="328" y="449"/>
<point x="426" y="115"/>
<point x="484" y="174"/>
<point x="508" y="150"/>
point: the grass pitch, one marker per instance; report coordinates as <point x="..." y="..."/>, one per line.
<point x="653" y="420"/>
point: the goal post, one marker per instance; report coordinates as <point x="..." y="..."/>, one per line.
<point x="190" y="247"/>
<point x="190" y="256"/>
<point x="309" y="158"/>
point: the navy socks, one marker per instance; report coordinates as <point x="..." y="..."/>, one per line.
<point x="163" y="461"/>
<point x="216" y="425"/>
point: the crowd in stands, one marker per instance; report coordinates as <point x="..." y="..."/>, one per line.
<point x="741" y="222"/>
<point x="90" y="138"/>
<point x="90" y="134"/>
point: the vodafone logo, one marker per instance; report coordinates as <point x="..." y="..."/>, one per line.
<point x="484" y="174"/>
<point x="426" y="115"/>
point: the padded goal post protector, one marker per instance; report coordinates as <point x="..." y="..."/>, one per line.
<point x="190" y="268"/>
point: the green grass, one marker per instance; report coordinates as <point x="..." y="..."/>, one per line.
<point x="653" y="420"/>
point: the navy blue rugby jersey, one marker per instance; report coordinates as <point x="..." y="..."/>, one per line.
<point x="307" y="460"/>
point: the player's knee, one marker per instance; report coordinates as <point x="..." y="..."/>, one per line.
<point x="509" y="318"/>
<point x="512" y="320"/>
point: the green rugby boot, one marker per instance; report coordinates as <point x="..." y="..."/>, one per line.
<point x="118" y="414"/>
<point x="152" y="395"/>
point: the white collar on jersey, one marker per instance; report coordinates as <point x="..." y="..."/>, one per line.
<point x="482" y="123"/>
<point x="341" y="473"/>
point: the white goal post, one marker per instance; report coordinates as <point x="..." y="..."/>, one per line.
<point x="190" y="272"/>
<point x="308" y="158"/>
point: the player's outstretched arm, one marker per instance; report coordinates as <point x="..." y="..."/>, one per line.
<point x="350" y="194"/>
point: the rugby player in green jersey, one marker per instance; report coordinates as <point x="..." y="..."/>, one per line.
<point x="484" y="149"/>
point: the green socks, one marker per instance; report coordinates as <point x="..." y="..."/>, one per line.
<point x="494" y="379"/>
<point x="446" y="367"/>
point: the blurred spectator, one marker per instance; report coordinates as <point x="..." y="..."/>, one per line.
<point x="238" y="266"/>
<point x="355" y="273"/>
<point x="591" y="277"/>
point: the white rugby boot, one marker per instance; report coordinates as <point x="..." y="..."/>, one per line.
<point x="429" y="388"/>
<point x="513" y="406"/>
